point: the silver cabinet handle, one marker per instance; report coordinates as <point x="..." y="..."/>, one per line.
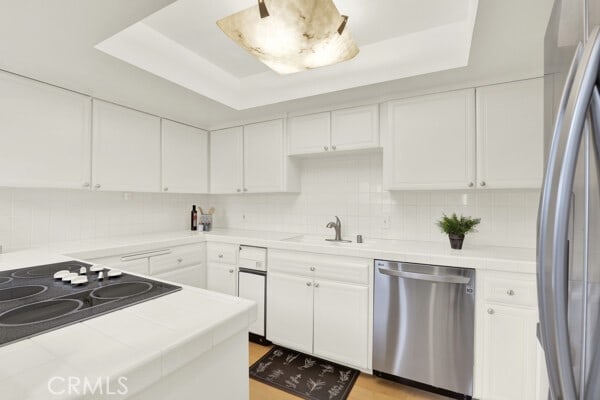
<point x="333" y="147"/>
<point x="231" y="271"/>
<point x="482" y="183"/>
<point x="325" y="148"/>
<point x="308" y="283"/>
<point x="312" y="268"/>
<point x="510" y="292"/>
<point x="86" y="184"/>
<point x="179" y="259"/>
<point x="97" y="186"/>
<point x="245" y="189"/>
<point x="316" y="284"/>
<point x="490" y="311"/>
<point x="426" y="277"/>
<point x="471" y="184"/>
<point x="238" y="190"/>
<point x="166" y="189"/>
<point x="220" y="255"/>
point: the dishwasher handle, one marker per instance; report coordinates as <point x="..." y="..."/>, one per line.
<point x="426" y="277"/>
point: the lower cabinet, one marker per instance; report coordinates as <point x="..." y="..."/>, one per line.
<point x="322" y="307"/>
<point x="221" y="278"/>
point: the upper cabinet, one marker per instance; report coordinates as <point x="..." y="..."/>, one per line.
<point x="429" y="142"/>
<point x="226" y="160"/>
<point x="45" y="140"/>
<point x="251" y="159"/>
<point x="348" y="129"/>
<point x="126" y="149"/>
<point x="184" y="158"/>
<point x="510" y="147"/>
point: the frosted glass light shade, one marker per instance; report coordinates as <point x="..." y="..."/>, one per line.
<point x="296" y="36"/>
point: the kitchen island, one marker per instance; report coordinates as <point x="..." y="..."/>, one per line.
<point x="176" y="346"/>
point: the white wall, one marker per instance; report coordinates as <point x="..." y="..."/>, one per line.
<point x="350" y="186"/>
<point x="36" y="217"/>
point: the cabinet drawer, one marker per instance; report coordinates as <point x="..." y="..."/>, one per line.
<point x="253" y="258"/>
<point x="179" y="257"/>
<point x="321" y="266"/>
<point x="225" y="253"/>
<point x="517" y="290"/>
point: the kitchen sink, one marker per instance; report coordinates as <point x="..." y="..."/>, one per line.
<point x="314" y="239"/>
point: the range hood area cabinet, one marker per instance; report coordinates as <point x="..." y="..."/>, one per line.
<point x="252" y="159"/>
<point x="354" y="128"/>
<point x="46" y="135"/>
<point x="488" y="137"/>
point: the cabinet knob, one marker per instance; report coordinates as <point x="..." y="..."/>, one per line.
<point x="510" y="292"/>
<point x="220" y="255"/>
<point x="333" y="147"/>
<point x="308" y="283"/>
<point x="166" y="189"/>
<point x="245" y="189"/>
<point x="86" y="184"/>
<point x="471" y="184"/>
<point x="490" y="311"/>
<point x="238" y="190"/>
<point x="179" y="259"/>
<point x="482" y="183"/>
<point x="325" y="148"/>
<point x="231" y="271"/>
<point x="97" y="186"/>
<point x="312" y="268"/>
<point x="316" y="285"/>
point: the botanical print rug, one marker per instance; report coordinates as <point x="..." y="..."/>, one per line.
<point x="305" y="376"/>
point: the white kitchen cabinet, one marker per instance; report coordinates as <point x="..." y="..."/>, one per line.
<point x="341" y="321"/>
<point x="429" y="142"/>
<point x="290" y="311"/>
<point x="227" y="160"/>
<point x="264" y="157"/>
<point x="252" y="159"/>
<point x="309" y="134"/>
<point x="184" y="158"/>
<point x="126" y="149"/>
<point x="510" y="146"/>
<point x="510" y="353"/>
<point x="355" y="128"/>
<point x="191" y="276"/>
<point x="46" y="135"/>
<point x="221" y="278"/>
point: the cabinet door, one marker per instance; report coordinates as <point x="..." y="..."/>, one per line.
<point x="341" y="322"/>
<point x="509" y="353"/>
<point x="290" y="311"/>
<point x="45" y="140"/>
<point x="226" y="160"/>
<point x="252" y="287"/>
<point x="126" y="149"/>
<point x="191" y="276"/>
<point x="355" y="128"/>
<point x="184" y="158"/>
<point x="221" y="278"/>
<point x="309" y="134"/>
<point x="430" y="142"/>
<point x="263" y="157"/>
<point x="510" y="146"/>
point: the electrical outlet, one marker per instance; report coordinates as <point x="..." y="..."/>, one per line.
<point x="385" y="222"/>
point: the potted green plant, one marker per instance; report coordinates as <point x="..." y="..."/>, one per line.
<point x="456" y="228"/>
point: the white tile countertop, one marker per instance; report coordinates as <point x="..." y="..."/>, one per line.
<point x="144" y="342"/>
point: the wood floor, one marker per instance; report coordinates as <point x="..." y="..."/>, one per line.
<point x="367" y="387"/>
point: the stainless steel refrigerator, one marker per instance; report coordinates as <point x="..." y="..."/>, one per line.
<point x="568" y="252"/>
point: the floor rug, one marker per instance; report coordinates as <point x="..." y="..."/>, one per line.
<point x="303" y="375"/>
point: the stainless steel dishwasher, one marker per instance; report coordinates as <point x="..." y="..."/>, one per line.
<point x="424" y="326"/>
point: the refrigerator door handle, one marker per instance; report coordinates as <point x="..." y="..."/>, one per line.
<point x="561" y="176"/>
<point x="545" y="292"/>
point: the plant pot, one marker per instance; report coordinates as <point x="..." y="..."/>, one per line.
<point x="456" y="241"/>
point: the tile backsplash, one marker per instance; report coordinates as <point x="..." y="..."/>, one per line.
<point x="349" y="186"/>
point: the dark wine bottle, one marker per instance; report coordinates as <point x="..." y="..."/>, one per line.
<point x="194" y="224"/>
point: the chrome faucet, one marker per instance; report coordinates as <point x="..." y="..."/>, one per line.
<point x="337" y="225"/>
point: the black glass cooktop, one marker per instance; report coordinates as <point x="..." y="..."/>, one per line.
<point x="33" y="301"/>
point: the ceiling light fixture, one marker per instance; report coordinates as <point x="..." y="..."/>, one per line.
<point x="292" y="35"/>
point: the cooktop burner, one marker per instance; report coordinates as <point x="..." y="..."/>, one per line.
<point x="33" y="301"/>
